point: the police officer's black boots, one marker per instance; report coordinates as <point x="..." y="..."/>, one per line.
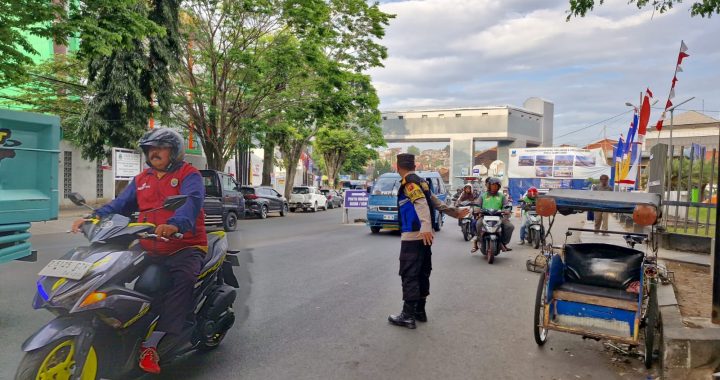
<point x="407" y="317"/>
<point x="420" y="314"/>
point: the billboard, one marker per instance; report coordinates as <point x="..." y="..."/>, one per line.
<point x="556" y="163"/>
<point x="553" y="168"/>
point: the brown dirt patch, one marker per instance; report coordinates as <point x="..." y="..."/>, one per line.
<point x="693" y="288"/>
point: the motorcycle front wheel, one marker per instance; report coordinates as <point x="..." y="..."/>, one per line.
<point x="56" y="361"/>
<point x="492" y="246"/>
<point x="466" y="231"/>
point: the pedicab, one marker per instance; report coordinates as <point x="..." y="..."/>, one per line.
<point x="601" y="291"/>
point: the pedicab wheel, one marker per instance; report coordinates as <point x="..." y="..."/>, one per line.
<point x="539" y="332"/>
<point x="651" y="324"/>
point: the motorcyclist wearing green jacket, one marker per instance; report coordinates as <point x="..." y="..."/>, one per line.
<point x="493" y="199"/>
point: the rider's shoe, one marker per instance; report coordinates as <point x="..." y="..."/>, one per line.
<point x="420" y="314"/>
<point x="522" y="242"/>
<point x="406" y="318"/>
<point x="149" y="360"/>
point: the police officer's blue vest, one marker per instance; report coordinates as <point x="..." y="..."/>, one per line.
<point x="407" y="216"/>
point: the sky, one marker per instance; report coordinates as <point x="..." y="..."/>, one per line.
<point x="501" y="52"/>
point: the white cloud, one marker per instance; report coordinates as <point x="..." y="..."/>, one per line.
<point x="490" y="52"/>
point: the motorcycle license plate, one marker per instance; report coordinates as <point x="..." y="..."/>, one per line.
<point x="71" y="269"/>
<point x="388" y="217"/>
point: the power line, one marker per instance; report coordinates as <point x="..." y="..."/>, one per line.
<point x="594" y="124"/>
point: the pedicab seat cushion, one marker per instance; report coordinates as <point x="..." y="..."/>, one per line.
<point x="599" y="291"/>
<point x="602" y="265"/>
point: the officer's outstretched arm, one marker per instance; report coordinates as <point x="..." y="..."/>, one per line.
<point x="441" y="206"/>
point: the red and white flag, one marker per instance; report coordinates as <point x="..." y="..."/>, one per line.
<point x="671" y="95"/>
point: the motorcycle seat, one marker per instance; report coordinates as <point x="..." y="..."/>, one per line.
<point x="217" y="246"/>
<point x="602" y="265"/>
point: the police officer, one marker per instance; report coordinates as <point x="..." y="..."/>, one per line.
<point x="416" y="208"/>
<point x="166" y="175"/>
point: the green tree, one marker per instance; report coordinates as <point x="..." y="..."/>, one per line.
<point x="702" y="8"/>
<point x="55" y="87"/>
<point x="102" y="26"/>
<point x="339" y="38"/>
<point x="358" y="160"/>
<point x="381" y="167"/>
<point x="125" y="83"/>
<point x="412" y="149"/>
<point x="238" y="56"/>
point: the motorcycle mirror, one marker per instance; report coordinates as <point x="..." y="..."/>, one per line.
<point x="77" y="199"/>
<point x="174" y="202"/>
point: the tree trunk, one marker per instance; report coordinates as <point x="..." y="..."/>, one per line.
<point x="268" y="163"/>
<point x="291" y="158"/>
<point x="215" y="159"/>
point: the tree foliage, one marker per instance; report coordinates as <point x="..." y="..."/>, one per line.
<point x="702" y="8"/>
<point x="102" y="26"/>
<point x="54" y="87"/>
<point x="125" y="82"/>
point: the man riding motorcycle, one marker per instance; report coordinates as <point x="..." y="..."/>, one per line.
<point x="527" y="202"/>
<point x="183" y="257"/>
<point x="495" y="200"/>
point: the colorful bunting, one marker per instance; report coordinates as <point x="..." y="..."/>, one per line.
<point x="678" y="69"/>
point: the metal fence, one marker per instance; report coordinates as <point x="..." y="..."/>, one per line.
<point x="690" y="190"/>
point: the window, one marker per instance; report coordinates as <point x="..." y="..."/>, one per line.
<point x="275" y="193"/>
<point x="300" y="190"/>
<point x="99" y="181"/>
<point x="441" y="115"/>
<point x="458" y="114"/>
<point x="228" y="183"/>
<point x="401" y="117"/>
<point x="211" y="185"/>
<point x="67" y="173"/>
<point x="424" y="116"/>
<point x="384" y="117"/>
<point x="485" y="113"/>
<point x="247" y="190"/>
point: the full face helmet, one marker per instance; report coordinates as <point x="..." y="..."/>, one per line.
<point x="532" y="193"/>
<point x="164" y="138"/>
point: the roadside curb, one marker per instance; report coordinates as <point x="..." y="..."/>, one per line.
<point x="688" y="352"/>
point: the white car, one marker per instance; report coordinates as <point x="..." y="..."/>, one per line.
<point x="307" y="198"/>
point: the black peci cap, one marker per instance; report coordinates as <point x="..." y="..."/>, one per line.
<point x="406" y="161"/>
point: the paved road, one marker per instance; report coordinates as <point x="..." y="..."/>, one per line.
<point x="315" y="300"/>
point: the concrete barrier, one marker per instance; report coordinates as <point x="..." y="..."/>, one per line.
<point x="686" y="243"/>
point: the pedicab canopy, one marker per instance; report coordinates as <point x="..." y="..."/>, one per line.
<point x="645" y="207"/>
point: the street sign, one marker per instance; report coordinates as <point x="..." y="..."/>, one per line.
<point x="127" y="164"/>
<point x="356" y="199"/>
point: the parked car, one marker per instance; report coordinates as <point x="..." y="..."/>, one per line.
<point x="261" y="200"/>
<point x="307" y="198"/>
<point x="382" y="209"/>
<point x="224" y="203"/>
<point x="334" y="198"/>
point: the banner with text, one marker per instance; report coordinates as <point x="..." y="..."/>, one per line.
<point x="557" y="163"/>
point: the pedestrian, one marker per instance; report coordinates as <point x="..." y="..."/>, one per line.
<point x="601" y="218"/>
<point x="416" y="208"/>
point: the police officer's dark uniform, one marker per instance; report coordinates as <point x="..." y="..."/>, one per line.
<point x="416" y="211"/>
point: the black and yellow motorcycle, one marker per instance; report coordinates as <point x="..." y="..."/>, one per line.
<point x="102" y="296"/>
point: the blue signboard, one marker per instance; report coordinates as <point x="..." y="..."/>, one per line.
<point x="356" y="199"/>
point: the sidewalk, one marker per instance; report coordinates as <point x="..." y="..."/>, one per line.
<point x="663" y="254"/>
<point x="61" y="225"/>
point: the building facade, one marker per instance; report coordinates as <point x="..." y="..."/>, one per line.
<point x="507" y="126"/>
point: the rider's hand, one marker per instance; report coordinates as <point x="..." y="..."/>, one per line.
<point x="463" y="213"/>
<point x="166" y="230"/>
<point x="77" y="224"/>
<point x="427" y="237"/>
